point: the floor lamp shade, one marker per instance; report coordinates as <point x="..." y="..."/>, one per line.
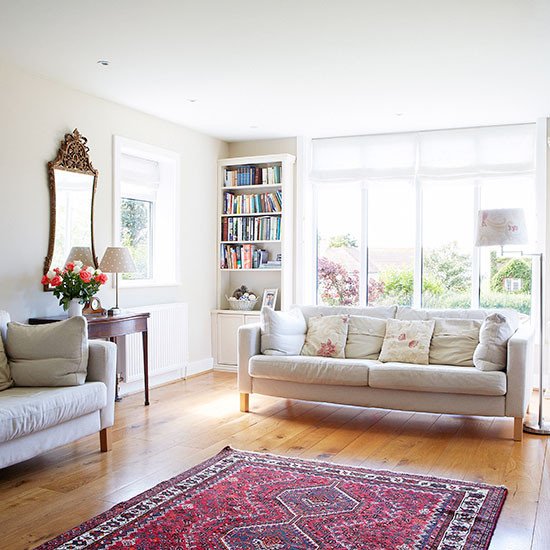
<point x="117" y="259"/>
<point x="500" y="227"/>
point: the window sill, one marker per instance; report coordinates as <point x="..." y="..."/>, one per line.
<point x="147" y="284"/>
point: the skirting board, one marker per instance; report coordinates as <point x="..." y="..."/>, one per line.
<point x="226" y="368"/>
<point x="194" y="367"/>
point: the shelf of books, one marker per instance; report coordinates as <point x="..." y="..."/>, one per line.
<point x="255" y="226"/>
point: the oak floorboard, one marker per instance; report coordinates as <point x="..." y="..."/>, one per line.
<point x="189" y="421"/>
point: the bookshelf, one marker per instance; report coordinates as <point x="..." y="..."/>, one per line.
<point x="255" y="226"/>
<point x="255" y="239"/>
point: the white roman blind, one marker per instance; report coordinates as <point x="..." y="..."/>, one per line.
<point x="140" y="177"/>
<point x="462" y="153"/>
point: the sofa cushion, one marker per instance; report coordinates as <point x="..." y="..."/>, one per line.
<point x="490" y="353"/>
<point x="436" y="379"/>
<point x="407" y="341"/>
<point x="48" y="355"/>
<point x="412" y="314"/>
<point x="454" y="342"/>
<point x="311" y="370"/>
<point x="27" y="410"/>
<point x="381" y="312"/>
<point x="365" y="337"/>
<point x="283" y="332"/>
<point x="326" y="336"/>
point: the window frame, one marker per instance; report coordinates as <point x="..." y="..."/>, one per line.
<point x="170" y="170"/>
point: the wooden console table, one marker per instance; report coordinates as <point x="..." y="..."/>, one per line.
<point x="113" y="327"/>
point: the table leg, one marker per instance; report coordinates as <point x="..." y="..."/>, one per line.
<point x="117" y="376"/>
<point x="145" y="366"/>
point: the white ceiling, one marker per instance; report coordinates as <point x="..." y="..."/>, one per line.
<point x="294" y="67"/>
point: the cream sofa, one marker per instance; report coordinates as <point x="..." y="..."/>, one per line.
<point x="370" y="383"/>
<point x="36" y="419"/>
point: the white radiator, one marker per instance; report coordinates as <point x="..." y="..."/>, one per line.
<point x="168" y="343"/>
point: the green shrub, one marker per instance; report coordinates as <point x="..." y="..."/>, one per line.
<point x="516" y="268"/>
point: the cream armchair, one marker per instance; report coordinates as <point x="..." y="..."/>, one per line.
<point x="36" y="419"/>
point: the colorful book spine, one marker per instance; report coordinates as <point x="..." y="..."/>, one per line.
<point x="252" y="175"/>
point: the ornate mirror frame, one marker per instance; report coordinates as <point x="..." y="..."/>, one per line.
<point x="72" y="156"/>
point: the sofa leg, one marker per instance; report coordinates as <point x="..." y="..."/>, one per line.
<point x="105" y="440"/>
<point x="518" y="428"/>
<point x="245" y="402"/>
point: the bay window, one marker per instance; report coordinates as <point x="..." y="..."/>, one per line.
<point x="394" y="217"/>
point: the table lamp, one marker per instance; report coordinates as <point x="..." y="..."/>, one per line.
<point x="506" y="226"/>
<point x="117" y="259"/>
<point x="82" y="253"/>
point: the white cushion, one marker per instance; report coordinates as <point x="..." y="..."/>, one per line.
<point x="311" y="370"/>
<point x="454" y="342"/>
<point x="490" y="353"/>
<point x="382" y="312"/>
<point x="407" y="341"/>
<point x="326" y="336"/>
<point x="436" y="379"/>
<point x="27" y="410"/>
<point x="283" y="332"/>
<point x="48" y="355"/>
<point x="365" y="337"/>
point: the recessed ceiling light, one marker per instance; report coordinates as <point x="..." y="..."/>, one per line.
<point x="103" y="62"/>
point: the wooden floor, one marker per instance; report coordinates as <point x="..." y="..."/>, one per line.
<point x="190" y="421"/>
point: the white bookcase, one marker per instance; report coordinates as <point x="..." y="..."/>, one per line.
<point x="255" y="213"/>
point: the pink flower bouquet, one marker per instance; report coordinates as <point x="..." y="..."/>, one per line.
<point x="75" y="281"/>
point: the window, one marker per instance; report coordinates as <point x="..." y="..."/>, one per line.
<point x="395" y="217"/>
<point x="390" y="234"/>
<point x="338" y="245"/>
<point x="147" y="211"/>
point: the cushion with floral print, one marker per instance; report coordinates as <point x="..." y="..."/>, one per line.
<point x="326" y="336"/>
<point x="407" y="341"/>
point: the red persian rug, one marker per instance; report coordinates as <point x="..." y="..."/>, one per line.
<point x="243" y="500"/>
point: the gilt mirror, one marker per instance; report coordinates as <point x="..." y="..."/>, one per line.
<point x="72" y="181"/>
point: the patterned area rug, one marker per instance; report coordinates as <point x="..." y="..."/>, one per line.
<point x="243" y="500"/>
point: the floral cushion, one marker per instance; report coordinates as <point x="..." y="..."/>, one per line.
<point x="407" y="341"/>
<point x="326" y="336"/>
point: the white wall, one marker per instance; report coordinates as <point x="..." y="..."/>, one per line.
<point x="35" y="113"/>
<point x="262" y="147"/>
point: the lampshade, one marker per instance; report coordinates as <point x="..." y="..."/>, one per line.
<point x="117" y="259"/>
<point x="80" y="253"/>
<point x="501" y="227"/>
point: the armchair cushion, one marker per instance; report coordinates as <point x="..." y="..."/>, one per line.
<point x="5" y="375"/>
<point x="24" y="411"/>
<point x="48" y="355"/>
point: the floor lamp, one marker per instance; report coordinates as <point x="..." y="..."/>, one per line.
<point x="506" y="226"/>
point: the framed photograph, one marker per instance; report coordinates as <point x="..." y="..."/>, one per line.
<point x="270" y="297"/>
